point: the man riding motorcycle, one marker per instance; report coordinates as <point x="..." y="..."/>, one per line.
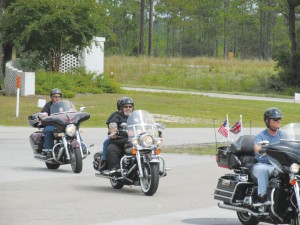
<point x="263" y="168"/>
<point x="100" y="159"/>
<point x="119" y="137"/>
<point x="56" y="96"/>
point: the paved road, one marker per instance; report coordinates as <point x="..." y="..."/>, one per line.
<point x="33" y="195"/>
<point x="291" y="100"/>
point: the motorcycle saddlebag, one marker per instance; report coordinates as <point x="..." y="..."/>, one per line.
<point x="226" y="159"/>
<point x="232" y="188"/>
<point x="37" y="140"/>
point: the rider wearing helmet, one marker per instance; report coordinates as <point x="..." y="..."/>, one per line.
<point x="100" y="160"/>
<point x="56" y="96"/>
<point x="115" y="149"/>
<point x="263" y="168"/>
<point x="272" y="113"/>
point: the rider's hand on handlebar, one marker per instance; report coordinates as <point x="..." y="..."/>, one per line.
<point x="262" y="152"/>
<point x="42" y="115"/>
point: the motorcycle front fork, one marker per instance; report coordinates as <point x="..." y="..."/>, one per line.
<point x="297" y="195"/>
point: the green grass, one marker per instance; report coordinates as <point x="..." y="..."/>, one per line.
<point x="191" y="149"/>
<point x="174" y="110"/>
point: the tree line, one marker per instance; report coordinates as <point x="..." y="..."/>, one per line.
<point x="244" y="29"/>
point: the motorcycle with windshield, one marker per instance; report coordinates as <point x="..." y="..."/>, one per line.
<point x="69" y="148"/>
<point x="142" y="165"/>
<point x="238" y="190"/>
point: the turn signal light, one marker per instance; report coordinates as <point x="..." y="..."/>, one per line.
<point x="293" y="182"/>
<point x="133" y="151"/>
<point x="157" y="152"/>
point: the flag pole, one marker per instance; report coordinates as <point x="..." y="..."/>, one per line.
<point x="241" y="121"/>
<point x="227" y="128"/>
<point x="214" y="122"/>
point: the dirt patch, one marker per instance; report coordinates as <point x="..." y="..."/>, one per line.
<point x="161" y="118"/>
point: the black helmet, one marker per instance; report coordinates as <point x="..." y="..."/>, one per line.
<point x="272" y="113"/>
<point x="126" y="100"/>
<point x="55" y="91"/>
<point x="119" y="103"/>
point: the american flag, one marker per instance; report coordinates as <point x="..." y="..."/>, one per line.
<point x="223" y="129"/>
<point x="236" y="128"/>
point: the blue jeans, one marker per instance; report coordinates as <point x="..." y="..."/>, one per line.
<point x="49" y="138"/>
<point x="104" y="148"/>
<point x="262" y="172"/>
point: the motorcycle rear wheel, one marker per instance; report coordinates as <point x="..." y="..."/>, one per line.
<point x="52" y="166"/>
<point x="76" y="160"/>
<point x="247" y="219"/>
<point x="149" y="182"/>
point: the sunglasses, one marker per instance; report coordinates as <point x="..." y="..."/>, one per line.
<point x="127" y="106"/>
<point x="276" y="119"/>
<point x="56" y="96"/>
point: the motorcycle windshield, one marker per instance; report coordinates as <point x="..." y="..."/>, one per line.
<point x="62" y="107"/>
<point x="141" y="122"/>
<point x="292" y="131"/>
<point x="287" y="151"/>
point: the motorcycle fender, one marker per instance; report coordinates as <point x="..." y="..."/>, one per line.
<point x="75" y="144"/>
<point x="155" y="160"/>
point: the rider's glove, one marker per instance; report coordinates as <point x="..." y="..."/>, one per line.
<point x="113" y="130"/>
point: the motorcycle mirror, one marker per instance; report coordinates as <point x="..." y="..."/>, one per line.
<point x="41" y="103"/>
<point x="82" y="109"/>
<point x="160" y="126"/>
<point x="263" y="143"/>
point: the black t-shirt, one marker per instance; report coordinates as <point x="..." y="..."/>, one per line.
<point x="120" y="118"/>
<point x="110" y="117"/>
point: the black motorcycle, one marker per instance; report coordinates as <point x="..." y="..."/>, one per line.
<point x="69" y="148"/>
<point x="142" y="165"/>
<point x="238" y="190"/>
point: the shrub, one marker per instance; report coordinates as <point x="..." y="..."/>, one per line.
<point x="76" y="81"/>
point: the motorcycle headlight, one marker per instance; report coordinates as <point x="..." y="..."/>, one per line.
<point x="146" y="141"/>
<point x="159" y="141"/>
<point x="294" y="168"/>
<point x="134" y="141"/>
<point x="71" y="130"/>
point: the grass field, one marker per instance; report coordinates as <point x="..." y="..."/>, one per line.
<point x="174" y="110"/>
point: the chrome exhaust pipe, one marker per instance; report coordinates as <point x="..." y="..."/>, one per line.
<point x="241" y="209"/>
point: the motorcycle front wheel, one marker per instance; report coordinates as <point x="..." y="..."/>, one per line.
<point x="149" y="181"/>
<point x="247" y="219"/>
<point x="76" y="160"/>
